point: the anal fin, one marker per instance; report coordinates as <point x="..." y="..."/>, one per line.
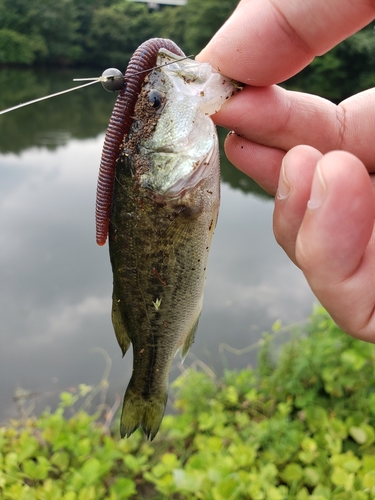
<point x="189" y="340"/>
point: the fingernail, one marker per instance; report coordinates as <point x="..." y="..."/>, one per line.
<point x="283" y="189"/>
<point x="318" y="189"/>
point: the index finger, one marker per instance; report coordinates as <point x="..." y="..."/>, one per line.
<point x="268" y="41"/>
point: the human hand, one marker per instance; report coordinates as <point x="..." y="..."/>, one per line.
<point x="330" y="236"/>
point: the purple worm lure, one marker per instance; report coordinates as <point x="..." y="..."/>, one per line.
<point x="143" y="59"/>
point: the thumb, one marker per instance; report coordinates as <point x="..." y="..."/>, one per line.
<point x="334" y="245"/>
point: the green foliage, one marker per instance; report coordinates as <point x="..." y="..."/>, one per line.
<point x="116" y="32"/>
<point x="105" y="33"/>
<point x="302" y="427"/>
<point x="204" y="19"/>
<point x="343" y="71"/>
<point x="49" y="26"/>
<point x="16" y="48"/>
<point x="333" y="368"/>
<point x="171" y="22"/>
<point x="100" y="32"/>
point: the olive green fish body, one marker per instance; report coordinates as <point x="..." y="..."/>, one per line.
<point x="158" y="285"/>
<point x="164" y="211"/>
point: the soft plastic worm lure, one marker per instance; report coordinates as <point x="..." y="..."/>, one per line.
<point x="141" y="63"/>
<point x="129" y="86"/>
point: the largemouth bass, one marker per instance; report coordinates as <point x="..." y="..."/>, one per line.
<point x="163" y="213"/>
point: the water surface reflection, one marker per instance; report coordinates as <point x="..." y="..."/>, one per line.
<point x="55" y="283"/>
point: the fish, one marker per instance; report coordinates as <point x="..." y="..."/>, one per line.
<point x="162" y="214"/>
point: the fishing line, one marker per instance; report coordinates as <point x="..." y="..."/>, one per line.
<point x="111" y="79"/>
<point x="45" y="97"/>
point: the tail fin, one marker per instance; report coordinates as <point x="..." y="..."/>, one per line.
<point x="139" y="411"/>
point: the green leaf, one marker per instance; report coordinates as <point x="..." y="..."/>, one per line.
<point x="340" y="477"/>
<point x="292" y="472"/>
<point x="122" y="488"/>
<point x="91" y="471"/>
<point x="84" y="389"/>
<point x="37" y="470"/>
<point x="134" y="463"/>
<point x="276" y="326"/>
<point x="358" y="434"/>
<point x="231" y="395"/>
<point x="28" y="444"/>
<point x="353" y="359"/>
<point x="279" y="493"/>
<point x="61" y="460"/>
<point x="68" y="399"/>
<point x="170" y="460"/>
<point x="244" y="454"/>
<point x="188" y="481"/>
<point x="369" y="479"/>
<point x="316" y="417"/>
<point x="227" y="488"/>
<point x="313" y="476"/>
<point x="368" y="463"/>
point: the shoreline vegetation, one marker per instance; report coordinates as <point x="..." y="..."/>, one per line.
<point x="301" y="426"/>
<point x="105" y="33"/>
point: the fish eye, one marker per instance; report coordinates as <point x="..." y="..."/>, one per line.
<point x="155" y="98"/>
<point x="113" y="79"/>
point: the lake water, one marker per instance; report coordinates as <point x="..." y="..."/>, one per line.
<point x="55" y="282"/>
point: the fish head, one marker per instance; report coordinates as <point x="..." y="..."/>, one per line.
<point x="176" y="137"/>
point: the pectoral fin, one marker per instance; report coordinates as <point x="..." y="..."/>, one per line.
<point x="118" y="325"/>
